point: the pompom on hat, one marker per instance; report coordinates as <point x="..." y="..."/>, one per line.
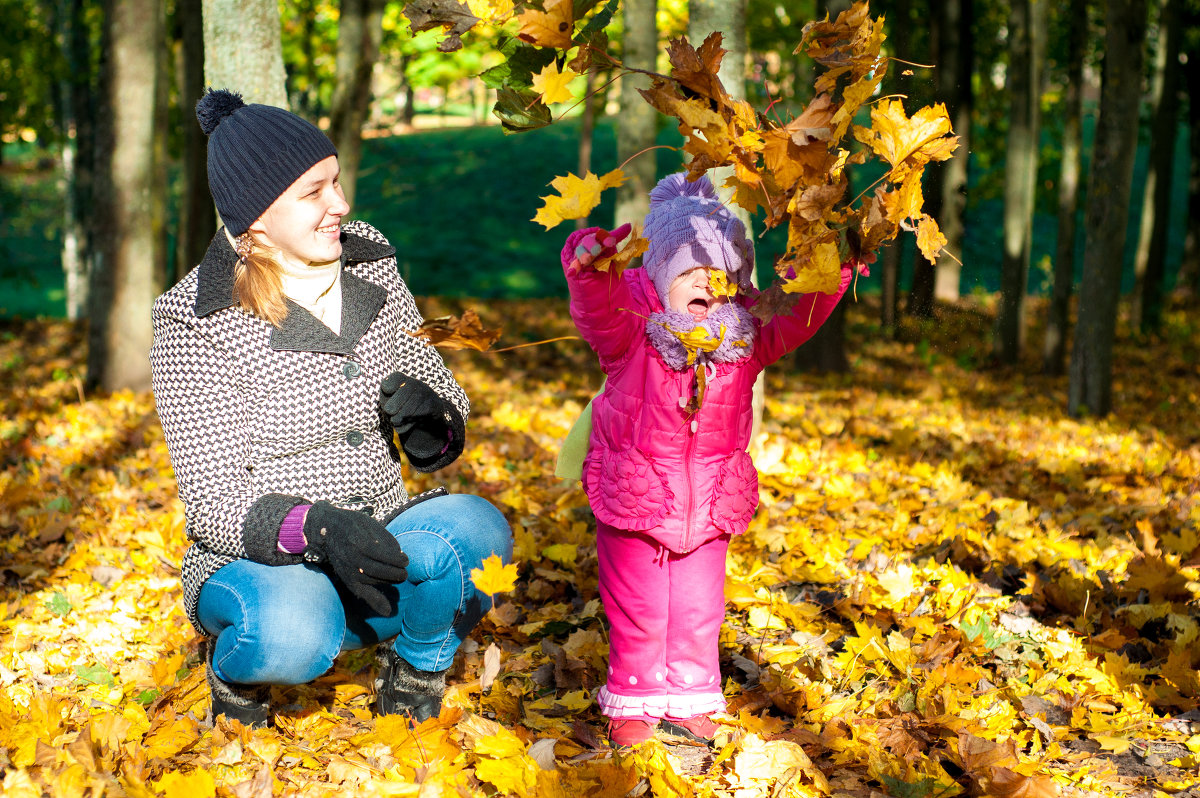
<point x="687" y="227"/>
<point x="254" y="153"/>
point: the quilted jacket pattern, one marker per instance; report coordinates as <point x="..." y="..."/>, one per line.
<point x="653" y="466"/>
<point x="258" y="419"/>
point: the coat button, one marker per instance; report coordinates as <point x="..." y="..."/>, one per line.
<point x="354" y="438"/>
<point x="351" y="369"/>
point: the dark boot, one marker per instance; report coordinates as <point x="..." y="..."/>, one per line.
<point x="401" y="689"/>
<point x="248" y="703"/>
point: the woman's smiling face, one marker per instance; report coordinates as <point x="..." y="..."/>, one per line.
<point x="692" y="294"/>
<point x="303" y="223"/>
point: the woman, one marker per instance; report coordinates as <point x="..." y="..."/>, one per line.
<point x="283" y="375"/>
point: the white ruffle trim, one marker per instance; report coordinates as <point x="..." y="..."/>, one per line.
<point x="659" y="706"/>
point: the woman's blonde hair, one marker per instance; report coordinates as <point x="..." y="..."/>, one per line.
<point x="257" y="283"/>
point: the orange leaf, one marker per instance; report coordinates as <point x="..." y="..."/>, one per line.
<point x="550" y="28"/>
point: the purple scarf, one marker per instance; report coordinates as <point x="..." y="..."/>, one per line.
<point x="739" y="329"/>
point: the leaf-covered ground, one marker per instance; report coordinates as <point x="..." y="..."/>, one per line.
<point x="951" y="588"/>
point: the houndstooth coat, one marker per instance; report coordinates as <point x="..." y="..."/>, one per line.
<point x="258" y="419"/>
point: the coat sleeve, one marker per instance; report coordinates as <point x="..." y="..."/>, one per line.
<point x="416" y="358"/>
<point x="783" y="334"/>
<point x="602" y="306"/>
<point x="203" y="417"/>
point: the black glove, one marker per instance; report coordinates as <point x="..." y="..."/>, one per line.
<point x="430" y="428"/>
<point x="358" y="549"/>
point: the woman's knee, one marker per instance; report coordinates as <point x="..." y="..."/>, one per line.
<point x="485" y="529"/>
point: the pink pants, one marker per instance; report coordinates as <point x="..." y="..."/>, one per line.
<point x="665" y="612"/>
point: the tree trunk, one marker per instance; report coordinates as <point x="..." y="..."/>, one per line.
<point x="243" y="50"/>
<point x="1150" y="265"/>
<point x="921" y="90"/>
<point x="825" y="351"/>
<point x="196" y="215"/>
<point x="123" y="280"/>
<point x="360" y="33"/>
<point x="1187" y="282"/>
<point x="587" y="133"/>
<point x="1026" y="20"/>
<point x="75" y="163"/>
<point x="1054" y="349"/>
<point x="637" y="122"/>
<point x="889" y="284"/>
<point x="955" y="67"/>
<point x="1107" y="214"/>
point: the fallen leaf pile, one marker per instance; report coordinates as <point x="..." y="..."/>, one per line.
<point x="951" y="587"/>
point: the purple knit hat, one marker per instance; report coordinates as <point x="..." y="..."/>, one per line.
<point x="688" y="226"/>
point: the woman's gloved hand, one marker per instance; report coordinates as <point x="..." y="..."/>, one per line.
<point x="359" y="551"/>
<point x="598" y="245"/>
<point x="417" y="414"/>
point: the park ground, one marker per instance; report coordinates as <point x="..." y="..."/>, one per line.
<point x="951" y="587"/>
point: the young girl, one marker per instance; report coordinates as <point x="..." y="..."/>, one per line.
<point x="283" y="375"/>
<point x="667" y="473"/>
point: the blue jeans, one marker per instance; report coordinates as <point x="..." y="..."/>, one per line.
<point x="285" y="624"/>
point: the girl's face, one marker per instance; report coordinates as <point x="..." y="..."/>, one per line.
<point x="304" y="223"/>
<point x="691" y="293"/>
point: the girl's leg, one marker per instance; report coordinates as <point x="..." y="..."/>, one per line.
<point x="438" y="606"/>
<point x="633" y="587"/>
<point x="272" y="624"/>
<point x="697" y="602"/>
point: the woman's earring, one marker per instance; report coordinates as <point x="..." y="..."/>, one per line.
<point x="242" y="245"/>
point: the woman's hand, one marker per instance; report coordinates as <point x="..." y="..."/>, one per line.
<point x="359" y="551"/>
<point x="598" y="245"/>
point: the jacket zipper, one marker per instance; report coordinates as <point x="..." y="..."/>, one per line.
<point x="687" y="471"/>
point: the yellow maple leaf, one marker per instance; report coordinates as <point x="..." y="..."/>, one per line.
<point x="698" y="340"/>
<point x="550" y="28"/>
<point x="908" y="142"/>
<point x="552" y="85"/>
<point x="821" y="272"/>
<point x="577" y="196"/>
<point x="494" y="577"/>
<point x="195" y="784"/>
<point x="718" y="283"/>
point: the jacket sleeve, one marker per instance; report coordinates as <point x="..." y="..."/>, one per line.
<point x="417" y="358"/>
<point x="785" y="333"/>
<point x="602" y="306"/>
<point x="203" y="418"/>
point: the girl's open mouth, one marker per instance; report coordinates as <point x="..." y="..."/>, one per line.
<point x="698" y="307"/>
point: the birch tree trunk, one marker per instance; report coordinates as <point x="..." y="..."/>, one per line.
<point x="638" y="121"/>
<point x="196" y="214"/>
<point x="1026" y="18"/>
<point x="1054" y="347"/>
<point x="360" y="34"/>
<point x="243" y="50"/>
<point x="123" y="287"/>
<point x="955" y="67"/>
<point x="1109" y="182"/>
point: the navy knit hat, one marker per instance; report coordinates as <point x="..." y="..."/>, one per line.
<point x="254" y="153"/>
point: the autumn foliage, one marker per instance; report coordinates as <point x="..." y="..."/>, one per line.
<point x="951" y="588"/>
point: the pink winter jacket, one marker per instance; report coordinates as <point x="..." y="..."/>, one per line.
<point x="646" y="469"/>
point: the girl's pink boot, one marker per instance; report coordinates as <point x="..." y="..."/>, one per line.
<point x="701" y="728"/>
<point x="627" y="732"/>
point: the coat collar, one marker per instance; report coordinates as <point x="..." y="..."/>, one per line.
<point x="361" y="299"/>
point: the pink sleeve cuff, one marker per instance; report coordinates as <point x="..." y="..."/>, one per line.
<point x="291" y="531"/>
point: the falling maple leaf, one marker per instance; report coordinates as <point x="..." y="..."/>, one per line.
<point x="577" y="196"/>
<point x="494" y="577"/>
<point x="451" y="332"/>
<point x="930" y="239"/>
<point x="552" y="27"/>
<point x="552" y="85"/>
